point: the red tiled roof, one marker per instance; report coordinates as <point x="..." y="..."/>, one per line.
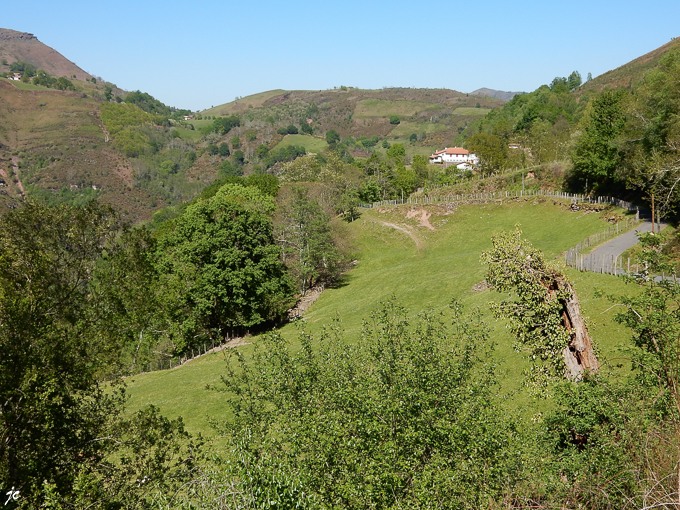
<point x="456" y="150"/>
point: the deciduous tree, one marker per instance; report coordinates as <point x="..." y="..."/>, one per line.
<point x="332" y="137"/>
<point x="221" y="266"/>
<point x="73" y="284"/>
<point x="306" y="239"/>
<point x="597" y="155"/>
<point x="491" y="150"/>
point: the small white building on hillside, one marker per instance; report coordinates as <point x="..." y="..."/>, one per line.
<point x="458" y="156"/>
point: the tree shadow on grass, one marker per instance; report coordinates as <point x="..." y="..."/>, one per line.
<point x="342" y="281"/>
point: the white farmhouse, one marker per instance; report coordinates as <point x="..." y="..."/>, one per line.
<point x="458" y="156"/>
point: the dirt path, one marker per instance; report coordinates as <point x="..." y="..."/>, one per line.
<point x="15" y="168"/>
<point x="419" y="243"/>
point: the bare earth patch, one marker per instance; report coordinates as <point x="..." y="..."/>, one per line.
<point x="424" y="217"/>
<point x="15" y="167"/>
<point x="481" y="286"/>
<point x="236" y="342"/>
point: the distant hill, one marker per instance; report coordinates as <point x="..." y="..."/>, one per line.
<point x="498" y="94"/>
<point x="22" y="46"/>
<point x="435" y="116"/>
<point x="54" y="144"/>
<point x="630" y="73"/>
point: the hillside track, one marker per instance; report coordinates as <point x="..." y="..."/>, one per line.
<point x="606" y="257"/>
<point x="405" y="230"/>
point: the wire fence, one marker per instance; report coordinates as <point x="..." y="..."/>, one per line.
<point x="598" y="263"/>
<point x="501" y="195"/>
<point x="574" y="256"/>
<point x="167" y="362"/>
<point x="604" y="264"/>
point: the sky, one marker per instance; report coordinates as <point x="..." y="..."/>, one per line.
<point x="203" y="53"/>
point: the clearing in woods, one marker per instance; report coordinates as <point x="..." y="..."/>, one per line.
<point x="310" y="143"/>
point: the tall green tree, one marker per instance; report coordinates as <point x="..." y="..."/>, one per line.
<point x="307" y="242"/>
<point x="574" y="80"/>
<point x="221" y="266"/>
<point x="71" y="287"/>
<point x="653" y="156"/>
<point x="397" y="152"/>
<point x="596" y="155"/>
<point x="491" y="150"/>
<point x="332" y="137"/>
<point x="51" y="408"/>
<point x="223" y="150"/>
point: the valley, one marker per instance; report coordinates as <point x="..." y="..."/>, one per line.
<point x="361" y="354"/>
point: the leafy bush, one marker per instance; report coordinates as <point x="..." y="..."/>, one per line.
<point x="287" y="153"/>
<point x="222" y="125"/>
<point x="150" y="104"/>
<point x="406" y="418"/>
<point x="23" y="67"/>
<point x="46" y="80"/>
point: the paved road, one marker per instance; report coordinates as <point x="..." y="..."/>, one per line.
<point x="605" y="258"/>
<point x="618" y="245"/>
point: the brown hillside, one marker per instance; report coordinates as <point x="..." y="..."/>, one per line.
<point x="22" y="46"/>
<point x="629" y="74"/>
<point x="52" y="142"/>
<point x="498" y="94"/>
<point x="441" y="114"/>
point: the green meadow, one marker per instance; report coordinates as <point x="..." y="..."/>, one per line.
<point x="370" y="108"/>
<point x="310" y="143"/>
<point x="424" y="268"/>
<point x="27" y="86"/>
<point x="465" y="110"/>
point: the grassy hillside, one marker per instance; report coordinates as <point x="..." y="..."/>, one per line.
<point x="371" y="108"/>
<point x="252" y="101"/>
<point x="310" y="143"/>
<point x="424" y="268"/>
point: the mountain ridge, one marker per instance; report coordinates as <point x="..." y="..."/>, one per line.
<point x="53" y="143"/>
<point x="25" y="47"/>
